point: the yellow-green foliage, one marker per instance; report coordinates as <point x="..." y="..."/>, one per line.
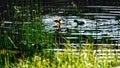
<point x="67" y="59"/>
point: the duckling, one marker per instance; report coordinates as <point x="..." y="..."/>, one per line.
<point x="79" y="22"/>
<point x="58" y="23"/>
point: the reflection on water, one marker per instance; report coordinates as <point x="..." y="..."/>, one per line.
<point x="102" y="28"/>
<point x="97" y="22"/>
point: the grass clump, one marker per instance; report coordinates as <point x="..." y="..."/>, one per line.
<point x="85" y="58"/>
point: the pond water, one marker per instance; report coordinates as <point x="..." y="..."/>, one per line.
<point x="109" y="27"/>
<point x="98" y="25"/>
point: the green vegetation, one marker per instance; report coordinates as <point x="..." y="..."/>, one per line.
<point x="32" y="44"/>
<point x="37" y="55"/>
<point x="85" y="58"/>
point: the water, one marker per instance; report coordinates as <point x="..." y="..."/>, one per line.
<point x="103" y="25"/>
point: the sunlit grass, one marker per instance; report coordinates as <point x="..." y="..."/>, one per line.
<point x="68" y="59"/>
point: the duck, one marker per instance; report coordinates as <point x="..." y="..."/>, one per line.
<point x="58" y="23"/>
<point x="79" y="22"/>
